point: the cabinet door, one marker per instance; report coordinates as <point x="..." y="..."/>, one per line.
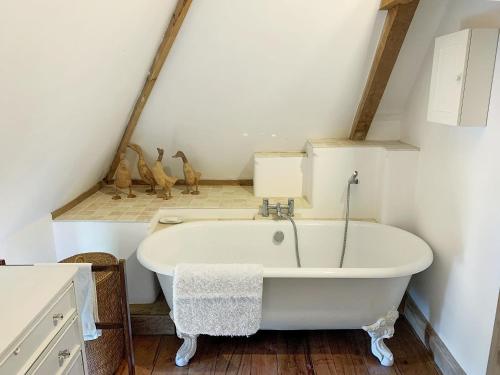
<point x="448" y="77"/>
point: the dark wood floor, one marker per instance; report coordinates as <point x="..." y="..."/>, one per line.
<point x="290" y="352"/>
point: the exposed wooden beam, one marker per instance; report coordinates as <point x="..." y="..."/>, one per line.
<point x="68" y="206"/>
<point x="388" y="4"/>
<point x="173" y="28"/>
<point x="396" y="26"/>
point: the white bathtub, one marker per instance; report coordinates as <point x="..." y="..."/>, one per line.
<point x="378" y="264"/>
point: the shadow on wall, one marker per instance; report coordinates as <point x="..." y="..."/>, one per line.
<point x="247" y="169"/>
<point x="484" y="20"/>
<point x="446" y="232"/>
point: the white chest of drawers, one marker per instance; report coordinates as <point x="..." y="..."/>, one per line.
<point x="39" y="324"/>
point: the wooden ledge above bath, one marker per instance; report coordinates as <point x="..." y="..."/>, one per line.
<point x="387" y="145"/>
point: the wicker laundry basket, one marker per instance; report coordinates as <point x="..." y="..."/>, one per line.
<point x="105" y="353"/>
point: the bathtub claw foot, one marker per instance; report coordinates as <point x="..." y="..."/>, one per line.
<point x="380" y="330"/>
<point x="187" y="349"/>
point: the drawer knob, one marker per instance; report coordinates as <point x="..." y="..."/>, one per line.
<point x="17" y="350"/>
<point x="58" y="316"/>
<point x="63" y="354"/>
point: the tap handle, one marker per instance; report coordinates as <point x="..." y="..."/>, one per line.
<point x="265" y="207"/>
<point x="291" y="206"/>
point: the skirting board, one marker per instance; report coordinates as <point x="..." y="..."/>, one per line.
<point x="494" y="359"/>
<point x="205" y="182"/>
<point x="68" y="206"/>
<point x="440" y="353"/>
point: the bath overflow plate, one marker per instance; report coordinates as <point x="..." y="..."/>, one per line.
<point x="278" y="237"/>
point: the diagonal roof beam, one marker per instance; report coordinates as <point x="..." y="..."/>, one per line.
<point x="388" y="4"/>
<point x="398" y="20"/>
<point x="173" y="28"/>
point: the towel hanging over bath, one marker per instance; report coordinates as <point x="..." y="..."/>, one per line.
<point x="218" y="299"/>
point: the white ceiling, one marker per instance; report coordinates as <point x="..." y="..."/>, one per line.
<point x="239" y="73"/>
<point x="70" y="72"/>
<point x="246" y="76"/>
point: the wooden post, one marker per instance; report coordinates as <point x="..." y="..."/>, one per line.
<point x="127" y="326"/>
<point x="173" y="28"/>
<point x="398" y="20"/>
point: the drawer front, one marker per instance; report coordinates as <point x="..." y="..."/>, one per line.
<point x="36" y="340"/>
<point x="77" y="367"/>
<point x="61" y="354"/>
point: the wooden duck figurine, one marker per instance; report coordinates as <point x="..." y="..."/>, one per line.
<point x="143" y="168"/>
<point x="123" y="178"/>
<point x="162" y="179"/>
<point x="191" y="177"/>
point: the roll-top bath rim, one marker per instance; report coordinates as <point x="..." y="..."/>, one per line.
<point x="373" y="250"/>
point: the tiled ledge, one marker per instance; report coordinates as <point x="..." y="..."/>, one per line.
<point x="287" y="154"/>
<point x="101" y="207"/>
<point x="388" y="145"/>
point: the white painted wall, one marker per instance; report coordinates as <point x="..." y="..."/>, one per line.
<point x="245" y="77"/>
<point x="278" y="176"/>
<point x="397" y="191"/>
<point x="457" y="208"/>
<point x="33" y="243"/>
<point x="332" y="167"/>
<point x="242" y="71"/>
<point x="70" y="73"/>
<point x="386" y="182"/>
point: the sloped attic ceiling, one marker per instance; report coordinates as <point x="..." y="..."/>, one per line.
<point x="70" y="72"/>
<point x="246" y="76"/>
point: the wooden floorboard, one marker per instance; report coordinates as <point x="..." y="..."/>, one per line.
<point x="418" y="360"/>
<point x="146" y="353"/>
<point x="342" y="352"/>
<point x="263" y="354"/>
<point x="362" y="342"/>
<point x="165" y="362"/>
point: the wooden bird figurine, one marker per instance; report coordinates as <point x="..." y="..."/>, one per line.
<point x="123" y="178"/>
<point x="143" y="168"/>
<point x="162" y="179"/>
<point x="191" y="177"/>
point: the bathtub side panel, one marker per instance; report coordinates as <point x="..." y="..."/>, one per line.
<point x="290" y="304"/>
<point x="166" y="283"/>
<point x="302" y="304"/>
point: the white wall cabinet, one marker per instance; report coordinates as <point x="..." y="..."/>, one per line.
<point x="462" y="76"/>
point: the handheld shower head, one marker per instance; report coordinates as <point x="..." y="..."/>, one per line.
<point x="354" y="178"/>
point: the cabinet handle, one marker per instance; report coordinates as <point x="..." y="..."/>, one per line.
<point x="63" y="354"/>
<point x="17" y="350"/>
<point x="58" y="316"/>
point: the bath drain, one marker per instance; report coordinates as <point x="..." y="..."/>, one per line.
<point x="278" y="237"/>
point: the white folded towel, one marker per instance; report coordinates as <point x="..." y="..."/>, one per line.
<point x="218" y="299"/>
<point x="86" y="297"/>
